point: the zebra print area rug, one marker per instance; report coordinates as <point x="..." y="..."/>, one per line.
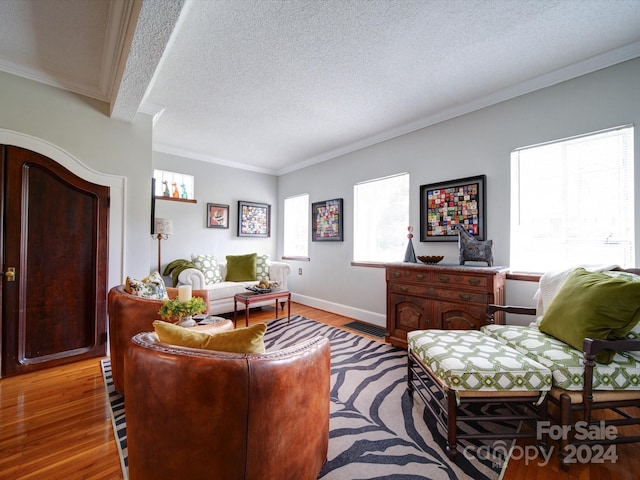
<point x="376" y="432"/>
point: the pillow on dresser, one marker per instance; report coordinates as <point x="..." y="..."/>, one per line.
<point x="152" y="286"/>
<point x="241" y="268"/>
<point x="593" y="305"/>
<point x="209" y="267"/>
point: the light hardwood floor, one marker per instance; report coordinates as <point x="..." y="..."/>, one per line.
<point x="55" y="425"/>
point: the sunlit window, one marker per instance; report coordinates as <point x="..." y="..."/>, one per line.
<point x="381" y="217"/>
<point x="296" y="226"/>
<point x="572" y="202"/>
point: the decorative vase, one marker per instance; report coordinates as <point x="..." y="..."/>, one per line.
<point x="187" y="321"/>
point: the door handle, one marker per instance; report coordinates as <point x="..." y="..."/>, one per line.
<point x="10" y="274"/>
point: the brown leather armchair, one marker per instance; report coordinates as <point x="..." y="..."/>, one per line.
<point x="202" y="414"/>
<point x="130" y="314"/>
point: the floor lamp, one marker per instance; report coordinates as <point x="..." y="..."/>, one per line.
<point x="162" y="228"/>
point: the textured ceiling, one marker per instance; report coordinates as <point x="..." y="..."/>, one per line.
<point x="276" y="85"/>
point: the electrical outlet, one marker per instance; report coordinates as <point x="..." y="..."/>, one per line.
<point x="300" y="271"/>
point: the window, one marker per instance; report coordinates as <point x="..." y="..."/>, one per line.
<point x="381" y="217"/>
<point x="572" y="202"/>
<point x="174" y="185"/>
<point x="296" y="226"/>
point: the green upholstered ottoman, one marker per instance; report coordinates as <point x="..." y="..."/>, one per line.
<point x="452" y="368"/>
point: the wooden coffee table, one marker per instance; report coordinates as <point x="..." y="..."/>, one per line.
<point x="247" y="298"/>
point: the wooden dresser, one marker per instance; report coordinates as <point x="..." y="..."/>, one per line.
<point x="446" y="297"/>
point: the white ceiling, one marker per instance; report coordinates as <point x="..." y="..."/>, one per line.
<point x="275" y="85"/>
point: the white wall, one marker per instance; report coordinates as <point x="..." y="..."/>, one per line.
<point x="213" y="184"/>
<point x="82" y="128"/>
<point x="477" y="143"/>
<point x="474" y="144"/>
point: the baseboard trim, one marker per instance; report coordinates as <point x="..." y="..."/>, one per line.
<point x="339" y="309"/>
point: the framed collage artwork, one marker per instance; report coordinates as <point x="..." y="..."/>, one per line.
<point x="217" y="215"/>
<point x="254" y="219"/>
<point x="326" y="221"/>
<point x="445" y="204"/>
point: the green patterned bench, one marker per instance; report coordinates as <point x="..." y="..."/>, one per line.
<point x="451" y="368"/>
<point x="567" y="363"/>
<point x="588" y="333"/>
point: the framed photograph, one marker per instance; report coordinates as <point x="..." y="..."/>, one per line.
<point x="326" y="221"/>
<point x="445" y="204"/>
<point x="217" y="215"/>
<point x="254" y="219"/>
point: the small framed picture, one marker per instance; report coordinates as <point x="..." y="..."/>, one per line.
<point x="217" y="215"/>
<point x="447" y="204"/>
<point x="326" y="221"/>
<point x="254" y="219"/>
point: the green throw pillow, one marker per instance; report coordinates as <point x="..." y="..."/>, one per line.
<point x="593" y="305"/>
<point x="241" y="268"/>
<point x="240" y="340"/>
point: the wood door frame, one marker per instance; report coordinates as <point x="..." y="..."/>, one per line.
<point x="117" y="185"/>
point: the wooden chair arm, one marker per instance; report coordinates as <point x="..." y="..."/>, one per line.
<point x="492" y="309"/>
<point x="592" y="346"/>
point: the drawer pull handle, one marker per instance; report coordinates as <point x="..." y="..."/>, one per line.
<point x="420" y="276"/>
<point x="474" y="281"/>
<point x="404" y="289"/>
<point x="444" y="279"/>
<point x="397" y="274"/>
<point x="465" y="297"/>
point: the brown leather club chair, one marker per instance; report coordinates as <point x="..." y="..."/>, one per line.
<point x="202" y="414"/>
<point x="130" y="314"/>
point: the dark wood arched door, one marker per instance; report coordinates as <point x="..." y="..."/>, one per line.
<point x="55" y="238"/>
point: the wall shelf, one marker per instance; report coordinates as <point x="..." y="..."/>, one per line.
<point x="171" y="199"/>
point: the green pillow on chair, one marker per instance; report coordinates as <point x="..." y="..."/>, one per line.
<point x="241" y="340"/>
<point x="241" y="268"/>
<point x="593" y="305"/>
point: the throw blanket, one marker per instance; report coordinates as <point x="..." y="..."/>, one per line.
<point x="551" y="282"/>
<point x="174" y="268"/>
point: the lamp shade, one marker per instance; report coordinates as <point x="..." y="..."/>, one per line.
<point x="163" y="226"/>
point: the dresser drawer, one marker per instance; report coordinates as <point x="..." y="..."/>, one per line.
<point x="410" y="289"/>
<point x="459" y="295"/>
<point x="448" y="278"/>
<point x="409" y="275"/>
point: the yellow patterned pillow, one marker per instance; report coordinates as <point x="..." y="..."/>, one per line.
<point x="241" y="340"/>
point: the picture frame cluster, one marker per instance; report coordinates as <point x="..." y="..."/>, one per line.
<point x="254" y="219"/>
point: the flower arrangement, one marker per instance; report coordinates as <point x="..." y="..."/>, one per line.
<point x="176" y="309"/>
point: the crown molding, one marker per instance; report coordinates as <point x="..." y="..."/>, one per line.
<point x="181" y="152"/>
<point x="593" y="64"/>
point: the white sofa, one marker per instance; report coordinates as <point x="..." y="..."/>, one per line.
<point x="221" y="293"/>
